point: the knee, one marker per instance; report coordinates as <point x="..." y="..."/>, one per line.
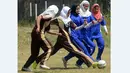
<point x="34" y="55"/>
<point x="101" y="47"/>
<point x="76" y="51"/>
<point x="101" y="44"/>
<point x="93" y="45"/>
<point x="49" y="50"/>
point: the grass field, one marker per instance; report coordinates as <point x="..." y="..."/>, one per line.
<point x="55" y="62"/>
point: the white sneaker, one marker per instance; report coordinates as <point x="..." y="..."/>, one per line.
<point x="44" y="67"/>
<point x="64" y="62"/>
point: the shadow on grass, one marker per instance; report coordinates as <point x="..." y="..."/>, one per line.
<point x="52" y="68"/>
<point x="55" y="68"/>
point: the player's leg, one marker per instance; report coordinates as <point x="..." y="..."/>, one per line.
<point x="48" y="46"/>
<point x="35" y="46"/>
<point x="90" y="44"/>
<point x="101" y="45"/>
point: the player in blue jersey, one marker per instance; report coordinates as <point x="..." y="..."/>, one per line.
<point x="96" y="31"/>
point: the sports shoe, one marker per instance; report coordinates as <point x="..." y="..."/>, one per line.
<point x="44" y="67"/>
<point x="79" y="66"/>
<point x="26" y="69"/>
<point x="98" y="60"/>
<point x="34" y="65"/>
<point x="94" y="65"/>
<point x="64" y="62"/>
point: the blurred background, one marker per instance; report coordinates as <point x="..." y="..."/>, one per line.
<point x="29" y="9"/>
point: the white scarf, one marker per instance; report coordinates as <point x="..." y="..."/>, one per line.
<point x="83" y="12"/>
<point x="51" y="10"/>
<point x="63" y="15"/>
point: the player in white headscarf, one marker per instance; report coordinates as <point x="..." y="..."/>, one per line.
<point x="42" y="25"/>
<point x="65" y="16"/>
<point x="84" y="9"/>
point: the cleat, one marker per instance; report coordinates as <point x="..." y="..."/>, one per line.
<point x="44" y="67"/>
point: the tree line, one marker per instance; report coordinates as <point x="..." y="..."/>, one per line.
<point x="24" y="6"/>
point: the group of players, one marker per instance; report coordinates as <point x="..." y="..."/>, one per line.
<point x="81" y="27"/>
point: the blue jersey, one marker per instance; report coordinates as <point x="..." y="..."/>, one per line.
<point x="78" y="21"/>
<point x="95" y="29"/>
<point x="87" y="31"/>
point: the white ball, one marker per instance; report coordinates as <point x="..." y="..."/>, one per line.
<point x="101" y="64"/>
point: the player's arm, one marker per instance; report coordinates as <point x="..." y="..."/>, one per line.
<point x="103" y="23"/>
<point x="93" y="22"/>
<point x="47" y="17"/>
<point x="38" y="23"/>
<point x="105" y="28"/>
<point x="82" y="26"/>
<point x="53" y="33"/>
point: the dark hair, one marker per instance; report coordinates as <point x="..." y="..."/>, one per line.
<point x="73" y="10"/>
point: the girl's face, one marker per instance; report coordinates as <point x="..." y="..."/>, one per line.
<point x="85" y="6"/>
<point x="77" y="9"/>
<point x="68" y="13"/>
<point x="96" y="8"/>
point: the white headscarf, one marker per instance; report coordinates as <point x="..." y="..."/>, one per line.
<point x="63" y="15"/>
<point x="51" y="10"/>
<point x="83" y="12"/>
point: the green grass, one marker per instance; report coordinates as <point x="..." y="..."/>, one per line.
<point x="55" y="62"/>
